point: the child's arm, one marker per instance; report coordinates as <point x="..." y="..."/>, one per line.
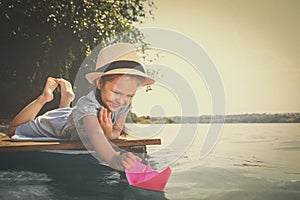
<point x="103" y="148"/>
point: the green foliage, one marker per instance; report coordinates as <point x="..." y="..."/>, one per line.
<point x="132" y="117"/>
<point x="41" y="38"/>
<point x="169" y="121"/>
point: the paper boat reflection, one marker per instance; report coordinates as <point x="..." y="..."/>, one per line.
<point x="143" y="176"/>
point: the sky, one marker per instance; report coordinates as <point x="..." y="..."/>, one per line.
<point x="254" y="45"/>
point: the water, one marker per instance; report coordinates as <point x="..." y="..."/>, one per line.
<point x="250" y="161"/>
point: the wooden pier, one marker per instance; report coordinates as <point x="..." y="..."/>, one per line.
<point x="133" y="145"/>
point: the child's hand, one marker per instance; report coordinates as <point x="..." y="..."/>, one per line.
<point x="105" y="121"/>
<point x="127" y="160"/>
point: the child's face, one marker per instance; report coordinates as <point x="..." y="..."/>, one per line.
<point x="119" y="92"/>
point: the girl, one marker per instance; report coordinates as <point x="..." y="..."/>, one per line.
<point x="100" y="115"/>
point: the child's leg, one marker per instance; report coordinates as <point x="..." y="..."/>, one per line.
<point x="66" y="92"/>
<point x="32" y="109"/>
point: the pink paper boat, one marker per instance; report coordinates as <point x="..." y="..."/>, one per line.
<point x="143" y="176"/>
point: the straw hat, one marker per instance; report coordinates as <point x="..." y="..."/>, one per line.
<point x="120" y="58"/>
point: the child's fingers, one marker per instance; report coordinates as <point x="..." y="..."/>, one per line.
<point x="130" y="156"/>
<point x="104" y="115"/>
<point x="129" y="160"/>
<point x="109" y="117"/>
<point x="101" y="115"/>
<point x="128" y="163"/>
<point x="132" y="159"/>
<point x="126" y="166"/>
<point x="138" y="159"/>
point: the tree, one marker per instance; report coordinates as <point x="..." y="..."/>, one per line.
<point x="132" y="117"/>
<point x="41" y="38"/>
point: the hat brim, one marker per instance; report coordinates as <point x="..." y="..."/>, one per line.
<point x="91" y="77"/>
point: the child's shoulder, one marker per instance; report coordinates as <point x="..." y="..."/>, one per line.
<point x="86" y="105"/>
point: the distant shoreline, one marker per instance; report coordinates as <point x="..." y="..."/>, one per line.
<point x="227" y="119"/>
<point x="203" y="119"/>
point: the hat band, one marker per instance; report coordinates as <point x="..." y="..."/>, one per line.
<point x="121" y="65"/>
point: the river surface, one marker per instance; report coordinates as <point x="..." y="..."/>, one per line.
<point x="249" y="161"/>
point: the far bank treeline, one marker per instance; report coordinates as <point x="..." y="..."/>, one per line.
<point x="241" y="118"/>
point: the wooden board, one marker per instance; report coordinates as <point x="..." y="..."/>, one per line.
<point x="8" y="146"/>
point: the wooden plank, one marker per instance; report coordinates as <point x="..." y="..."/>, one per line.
<point x="8" y="146"/>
